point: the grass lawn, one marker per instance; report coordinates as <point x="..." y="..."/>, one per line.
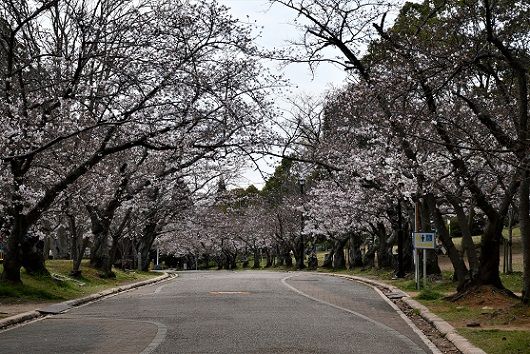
<point x="46" y="288"/>
<point x="499" y="341"/>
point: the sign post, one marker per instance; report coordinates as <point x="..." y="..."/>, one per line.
<point x="425" y="241"/>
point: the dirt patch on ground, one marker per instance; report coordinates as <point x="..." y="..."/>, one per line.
<point x="485" y="296"/>
<point x="492" y="308"/>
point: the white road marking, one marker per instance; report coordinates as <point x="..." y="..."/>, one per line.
<point x="413" y="346"/>
<point x="159" y="289"/>
<point x="434" y="349"/>
<point x="159" y="338"/>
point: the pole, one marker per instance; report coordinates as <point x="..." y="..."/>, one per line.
<point x="401" y="271"/>
<point x="424" y="268"/>
<point x="157" y="258"/>
<point x="416" y="252"/>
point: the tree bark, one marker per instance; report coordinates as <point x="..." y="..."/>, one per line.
<point x="146" y="243"/>
<point x="455" y="257"/>
<point x="339" y="261"/>
<point x="384" y="254"/>
<point x="490" y="254"/>
<point x="299" y="252"/>
<point x="268" y="258"/>
<point x="355" y="256"/>
<point x="256" y="263"/>
<point x="426" y="226"/>
<point x="328" y="260"/>
<point x="467" y="241"/>
<point x="524" y="223"/>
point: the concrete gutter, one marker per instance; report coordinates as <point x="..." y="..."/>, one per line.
<point x="66" y="305"/>
<point x="448" y="331"/>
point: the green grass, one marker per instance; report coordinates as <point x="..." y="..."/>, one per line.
<point x="513" y="281"/>
<point x="494" y="341"/>
<point x="429" y="294"/>
<point x="451" y="311"/>
<point x="46" y="288"/>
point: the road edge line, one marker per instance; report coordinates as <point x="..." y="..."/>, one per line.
<point x="415" y="347"/>
<point x="448" y="331"/>
<point x="434" y="349"/>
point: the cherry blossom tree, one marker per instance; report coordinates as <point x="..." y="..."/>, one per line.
<point x="422" y="94"/>
<point x="85" y="81"/>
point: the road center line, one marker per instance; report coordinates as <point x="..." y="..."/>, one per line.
<point x="413" y="346"/>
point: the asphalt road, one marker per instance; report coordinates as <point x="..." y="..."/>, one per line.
<point x="226" y="312"/>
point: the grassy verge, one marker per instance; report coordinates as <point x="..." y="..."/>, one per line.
<point x="47" y="288"/>
<point x="499" y="341"/>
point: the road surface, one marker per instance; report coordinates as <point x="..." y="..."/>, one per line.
<point x="226" y="312"/>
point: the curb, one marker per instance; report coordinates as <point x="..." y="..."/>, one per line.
<point x="442" y="326"/>
<point x="31" y="315"/>
<point x="16" y="319"/>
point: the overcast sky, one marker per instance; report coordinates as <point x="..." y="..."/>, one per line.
<point x="276" y="26"/>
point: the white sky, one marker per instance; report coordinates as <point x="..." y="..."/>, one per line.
<point x="276" y="26"/>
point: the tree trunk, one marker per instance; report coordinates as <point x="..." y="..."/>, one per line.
<point x="339" y="261"/>
<point x="288" y="259"/>
<point x="408" y="256"/>
<point x="468" y="246"/>
<point x="328" y="260"/>
<point x="490" y="253"/>
<point x="146" y="243"/>
<point x="299" y="253"/>
<point x="99" y="249"/>
<point x="268" y="258"/>
<point x="233" y="260"/>
<point x="13" y="254"/>
<point x="426" y="226"/>
<point x="219" y="261"/>
<point x="509" y="267"/>
<point x="256" y="264"/>
<point x="77" y="248"/>
<point x="280" y="259"/>
<point x="33" y="256"/>
<point x="455" y="257"/>
<point x="369" y="258"/>
<point x="524" y="223"/>
<point x="100" y="253"/>
<point x="384" y="254"/>
<point x="76" y="262"/>
<point x="107" y="270"/>
<point x="355" y="257"/>
<point x="21" y="251"/>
